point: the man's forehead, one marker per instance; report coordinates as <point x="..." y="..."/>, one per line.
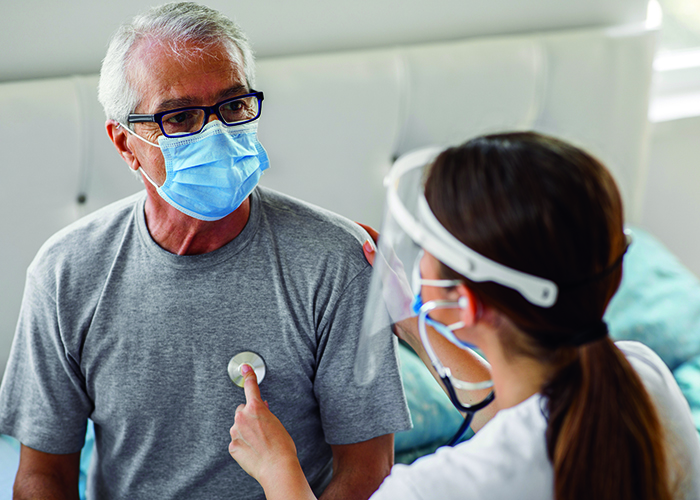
<point x="166" y="103"/>
<point x="187" y="72"/>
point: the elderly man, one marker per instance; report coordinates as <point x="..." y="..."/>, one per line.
<point x="131" y="315"/>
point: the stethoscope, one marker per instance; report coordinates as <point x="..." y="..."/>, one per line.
<point x="246" y="358"/>
<point x="446" y="375"/>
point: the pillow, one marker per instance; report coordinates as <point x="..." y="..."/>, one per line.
<point x="658" y="302"/>
<point x="688" y="377"/>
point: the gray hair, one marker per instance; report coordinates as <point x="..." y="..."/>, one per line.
<point x="171" y="23"/>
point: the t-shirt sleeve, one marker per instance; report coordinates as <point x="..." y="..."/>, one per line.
<point x="43" y="402"/>
<point x="350" y="412"/>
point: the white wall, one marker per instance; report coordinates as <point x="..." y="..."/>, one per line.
<point x="671" y="203"/>
<point x="48" y="38"/>
<point x="671" y="207"/>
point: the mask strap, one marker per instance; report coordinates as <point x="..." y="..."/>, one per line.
<point x="148" y="178"/>
<point x="120" y="124"/>
<point x="137" y="135"/>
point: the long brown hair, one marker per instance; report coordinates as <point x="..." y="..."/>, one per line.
<point x="544" y="207"/>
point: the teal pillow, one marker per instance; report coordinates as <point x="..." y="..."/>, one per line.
<point x="658" y="302"/>
<point x="688" y="377"/>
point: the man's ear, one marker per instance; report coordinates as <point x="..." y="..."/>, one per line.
<point x="470" y="306"/>
<point x="119" y="138"/>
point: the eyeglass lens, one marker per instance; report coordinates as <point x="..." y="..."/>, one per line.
<point x="189" y="121"/>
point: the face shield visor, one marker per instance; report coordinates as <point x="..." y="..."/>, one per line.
<point x="408" y="228"/>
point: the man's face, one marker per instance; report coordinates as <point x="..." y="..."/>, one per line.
<point x="164" y="82"/>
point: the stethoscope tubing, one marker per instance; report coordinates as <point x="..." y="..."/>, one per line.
<point x="469" y="410"/>
<point x="446" y="377"/>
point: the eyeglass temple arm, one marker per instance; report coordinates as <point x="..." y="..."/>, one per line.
<point x="136" y="118"/>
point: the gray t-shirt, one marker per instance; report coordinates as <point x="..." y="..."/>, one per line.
<point x="116" y="329"/>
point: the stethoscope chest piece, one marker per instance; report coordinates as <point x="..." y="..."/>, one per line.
<point x="245" y="358"/>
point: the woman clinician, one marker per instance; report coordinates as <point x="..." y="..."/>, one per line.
<point x="522" y="243"/>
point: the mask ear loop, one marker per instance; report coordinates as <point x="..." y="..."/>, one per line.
<point x="119" y="124"/>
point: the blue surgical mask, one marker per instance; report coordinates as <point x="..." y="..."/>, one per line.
<point x="210" y="174"/>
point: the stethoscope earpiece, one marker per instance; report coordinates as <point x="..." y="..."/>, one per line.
<point x="245" y="358"/>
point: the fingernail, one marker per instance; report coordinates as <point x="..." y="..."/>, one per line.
<point x="368" y="247"/>
<point x="245" y="369"/>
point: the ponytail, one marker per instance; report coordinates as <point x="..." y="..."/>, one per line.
<point x="604" y="438"/>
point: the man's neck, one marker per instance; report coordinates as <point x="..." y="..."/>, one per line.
<point x="183" y="235"/>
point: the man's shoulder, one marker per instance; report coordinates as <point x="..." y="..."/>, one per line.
<point x="305" y="221"/>
<point x="88" y="237"/>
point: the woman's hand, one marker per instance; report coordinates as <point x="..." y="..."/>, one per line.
<point x="369" y="248"/>
<point x="395" y="287"/>
<point x="263" y="447"/>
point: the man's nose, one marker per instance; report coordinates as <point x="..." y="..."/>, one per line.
<point x="212" y="117"/>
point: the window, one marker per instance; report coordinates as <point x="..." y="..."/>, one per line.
<point x="681" y="25"/>
<point x="676" y="83"/>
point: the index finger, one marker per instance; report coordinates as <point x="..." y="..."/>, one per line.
<point x="250" y="383"/>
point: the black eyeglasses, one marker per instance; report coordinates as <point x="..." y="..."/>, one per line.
<point x="190" y="121"/>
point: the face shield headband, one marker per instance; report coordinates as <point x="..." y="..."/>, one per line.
<point x="427" y="232"/>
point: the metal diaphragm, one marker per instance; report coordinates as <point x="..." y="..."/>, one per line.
<point x="245" y="358"/>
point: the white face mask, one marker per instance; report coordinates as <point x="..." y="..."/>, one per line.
<point x="210" y="174"/>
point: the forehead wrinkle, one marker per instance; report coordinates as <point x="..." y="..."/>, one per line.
<point x="180" y="102"/>
<point x="187" y="101"/>
<point x="234" y="91"/>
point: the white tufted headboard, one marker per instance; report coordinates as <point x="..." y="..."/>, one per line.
<point x="333" y="123"/>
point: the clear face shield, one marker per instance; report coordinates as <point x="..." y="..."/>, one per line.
<point x="409" y="227"/>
